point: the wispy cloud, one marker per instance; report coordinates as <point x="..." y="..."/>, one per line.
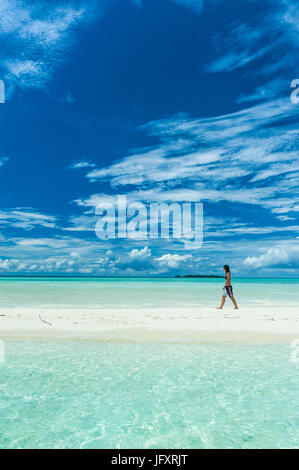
<point x="3" y="160"/>
<point x="268" y="91"/>
<point x="243" y="157"/>
<point x="37" y="37"/>
<point x="26" y="219"/>
<point x="195" y="5"/>
<point x="243" y="45"/>
<point x="82" y="164"/>
<point x="273" y="33"/>
<point x="68" y="98"/>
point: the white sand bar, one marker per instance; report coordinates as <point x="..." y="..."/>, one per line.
<point x="202" y="324"/>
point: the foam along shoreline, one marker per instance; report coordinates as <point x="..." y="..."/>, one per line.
<point x="201" y="324"/>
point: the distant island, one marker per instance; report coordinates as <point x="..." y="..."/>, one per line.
<point x="199" y="275"/>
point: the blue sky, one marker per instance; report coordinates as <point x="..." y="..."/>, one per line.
<point x="159" y="100"/>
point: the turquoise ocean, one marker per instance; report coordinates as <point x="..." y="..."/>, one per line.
<point x="94" y="394"/>
<point x="142" y="292"/>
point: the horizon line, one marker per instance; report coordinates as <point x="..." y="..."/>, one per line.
<point x="176" y="276"/>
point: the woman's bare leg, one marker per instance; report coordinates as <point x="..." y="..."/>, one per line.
<point x="222" y="303"/>
<point x="234" y="302"/>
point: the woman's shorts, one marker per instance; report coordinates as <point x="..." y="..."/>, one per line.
<point x="228" y="291"/>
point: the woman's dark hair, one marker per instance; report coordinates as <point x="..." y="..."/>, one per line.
<point x="226" y="267"/>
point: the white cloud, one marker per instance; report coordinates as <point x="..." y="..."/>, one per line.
<point x="40" y="265"/>
<point x="142" y="253"/>
<point x="54" y="255"/>
<point x="284" y="257"/>
<point x="71" y="255"/>
<point x="172" y="261"/>
<point x="27" y="71"/>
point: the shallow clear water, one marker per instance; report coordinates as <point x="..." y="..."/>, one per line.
<point x="70" y="394"/>
<point x="113" y="292"/>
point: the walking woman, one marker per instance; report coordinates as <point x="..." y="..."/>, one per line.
<point x="227" y="289"/>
